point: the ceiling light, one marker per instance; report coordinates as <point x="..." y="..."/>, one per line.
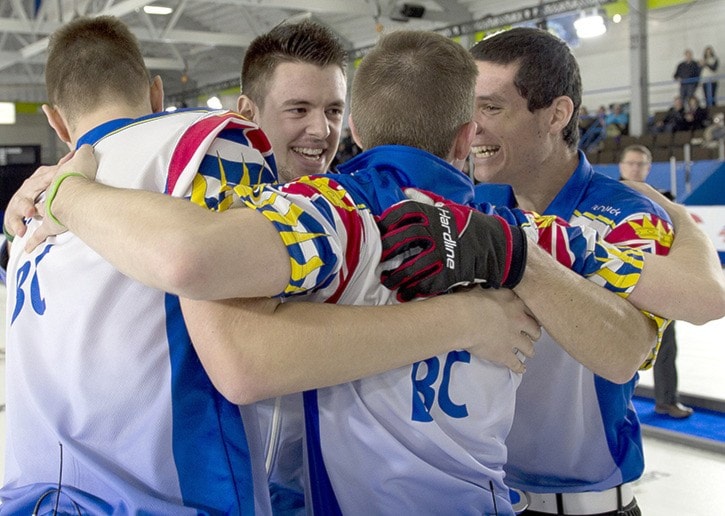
<point x="590" y="25"/>
<point x="7" y="113"/>
<point x="157" y="9"/>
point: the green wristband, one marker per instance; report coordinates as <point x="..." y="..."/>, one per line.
<point x="53" y="191"/>
<point x="8" y="236"/>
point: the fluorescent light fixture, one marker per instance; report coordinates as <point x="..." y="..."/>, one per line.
<point x="157" y="9"/>
<point x="7" y="113"/>
<point x="214" y="103"/>
<point x="590" y="25"/>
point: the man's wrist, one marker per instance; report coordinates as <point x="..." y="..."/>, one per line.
<point x="54" y="202"/>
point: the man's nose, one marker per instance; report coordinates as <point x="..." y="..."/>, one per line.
<point x="319" y="125"/>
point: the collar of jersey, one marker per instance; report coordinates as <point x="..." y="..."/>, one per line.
<point x="99" y="132"/>
<point x="415" y="168"/>
<point x="571" y="195"/>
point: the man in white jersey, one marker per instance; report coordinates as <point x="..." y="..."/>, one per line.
<point x="109" y="409"/>
<point x="464" y="461"/>
<point x="147" y="462"/>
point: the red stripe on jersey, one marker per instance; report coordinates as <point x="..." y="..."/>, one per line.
<point x="195" y="135"/>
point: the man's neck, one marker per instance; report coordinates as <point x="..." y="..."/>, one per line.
<point x="92" y="120"/>
<point x="544" y="185"/>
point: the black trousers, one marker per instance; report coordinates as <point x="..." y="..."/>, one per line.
<point x="665" y="369"/>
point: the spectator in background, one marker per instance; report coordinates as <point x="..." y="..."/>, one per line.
<point x="708" y="75"/>
<point x="688" y="73"/>
<point x="696" y="116"/>
<point x="635" y="165"/>
<point x="613" y="124"/>
<point x="586" y="119"/>
<point x="674" y="119"/>
<point x="617" y="122"/>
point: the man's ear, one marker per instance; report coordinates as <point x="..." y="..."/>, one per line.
<point x="462" y="145"/>
<point x="353" y="132"/>
<point x="156" y="95"/>
<point x="58" y="123"/>
<point x="247" y="108"/>
<point x="562" y="111"/>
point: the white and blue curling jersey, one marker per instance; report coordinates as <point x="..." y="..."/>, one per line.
<point x="105" y="394"/>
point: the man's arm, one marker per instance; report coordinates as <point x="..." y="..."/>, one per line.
<point x="599" y="329"/>
<point x="695" y="287"/>
<point x="258" y="348"/>
<point x="173" y="245"/>
<point x="565" y="304"/>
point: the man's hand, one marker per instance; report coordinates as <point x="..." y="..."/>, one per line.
<point x="23" y="203"/>
<point x="82" y="164"/>
<point x="503" y="329"/>
<point x="444" y="245"/>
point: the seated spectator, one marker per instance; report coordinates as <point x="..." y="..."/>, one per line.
<point x="614" y="124"/>
<point x="586" y="120"/>
<point x="617" y="122"/>
<point x="674" y="120"/>
<point x="696" y="116"/>
<point x="714" y="132"/>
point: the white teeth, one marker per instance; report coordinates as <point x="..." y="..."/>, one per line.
<point x="308" y="152"/>
<point x="485" y="151"/>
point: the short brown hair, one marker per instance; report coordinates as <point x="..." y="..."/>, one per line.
<point x="92" y="61"/>
<point x="303" y="42"/>
<point x="414" y="88"/>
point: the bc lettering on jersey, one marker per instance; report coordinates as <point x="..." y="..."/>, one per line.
<point x="36" y="301"/>
<point x="424" y="388"/>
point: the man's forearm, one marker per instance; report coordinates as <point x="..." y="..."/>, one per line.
<point x="257" y="348"/>
<point x="173" y="245"/>
<point x="612" y="343"/>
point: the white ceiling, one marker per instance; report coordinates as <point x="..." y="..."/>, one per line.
<point x="206" y="39"/>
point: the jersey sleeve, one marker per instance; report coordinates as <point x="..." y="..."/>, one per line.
<point x="323" y="229"/>
<point x="651" y="233"/>
<point x="217" y="154"/>
<point x="614" y="262"/>
<point x="616" y="268"/>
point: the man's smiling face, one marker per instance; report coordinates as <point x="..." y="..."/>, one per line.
<point x="302" y="117"/>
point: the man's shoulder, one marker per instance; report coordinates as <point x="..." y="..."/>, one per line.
<point x="611" y="198"/>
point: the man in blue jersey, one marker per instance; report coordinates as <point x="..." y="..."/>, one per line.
<point x="575" y="443"/>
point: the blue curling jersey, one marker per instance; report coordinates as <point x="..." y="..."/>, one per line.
<point x="573" y="430"/>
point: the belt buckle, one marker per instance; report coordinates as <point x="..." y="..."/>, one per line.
<point x="519" y="500"/>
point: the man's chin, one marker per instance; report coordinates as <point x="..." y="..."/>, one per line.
<point x="286" y="174"/>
